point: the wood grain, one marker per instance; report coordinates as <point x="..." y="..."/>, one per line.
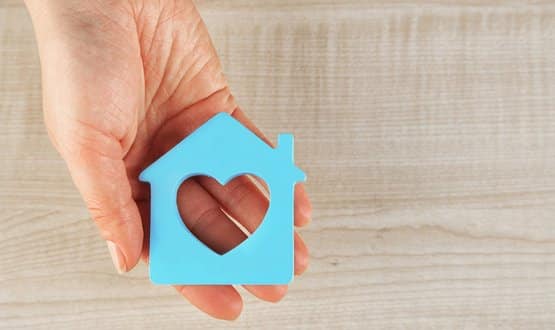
<point x="427" y="129"/>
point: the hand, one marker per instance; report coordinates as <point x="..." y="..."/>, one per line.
<point x="123" y="82"/>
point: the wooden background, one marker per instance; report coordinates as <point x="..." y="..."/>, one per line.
<point x="427" y="129"/>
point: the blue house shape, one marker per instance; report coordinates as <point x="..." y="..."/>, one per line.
<point x="223" y="149"/>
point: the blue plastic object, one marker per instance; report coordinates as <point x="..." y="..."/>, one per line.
<point x="223" y="149"/>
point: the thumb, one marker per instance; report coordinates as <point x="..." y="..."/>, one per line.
<point x="102" y="181"/>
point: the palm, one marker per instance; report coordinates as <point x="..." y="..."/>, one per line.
<point x="183" y="87"/>
<point x="138" y="79"/>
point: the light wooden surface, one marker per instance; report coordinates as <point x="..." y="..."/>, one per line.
<point x="428" y="132"/>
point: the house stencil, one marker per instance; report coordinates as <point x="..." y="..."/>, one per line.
<point x="223" y="148"/>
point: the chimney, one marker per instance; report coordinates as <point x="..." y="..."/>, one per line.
<point x="285" y="146"/>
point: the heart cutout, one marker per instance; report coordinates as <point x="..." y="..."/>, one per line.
<point x="223" y="216"/>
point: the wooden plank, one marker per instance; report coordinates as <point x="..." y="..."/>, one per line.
<point x="428" y="133"/>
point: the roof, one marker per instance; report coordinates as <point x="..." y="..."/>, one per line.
<point x="224" y="145"/>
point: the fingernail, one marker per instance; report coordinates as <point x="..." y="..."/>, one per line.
<point x="117" y="257"/>
<point x="306" y="213"/>
<point x="301" y="259"/>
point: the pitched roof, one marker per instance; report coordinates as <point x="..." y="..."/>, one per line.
<point x="223" y="141"/>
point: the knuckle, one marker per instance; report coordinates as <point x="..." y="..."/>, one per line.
<point x="112" y="216"/>
<point x="206" y="218"/>
<point x="239" y="192"/>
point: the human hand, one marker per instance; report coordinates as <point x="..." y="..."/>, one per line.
<point x="123" y="82"/>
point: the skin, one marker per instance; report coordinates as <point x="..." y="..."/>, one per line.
<point x="123" y="82"/>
